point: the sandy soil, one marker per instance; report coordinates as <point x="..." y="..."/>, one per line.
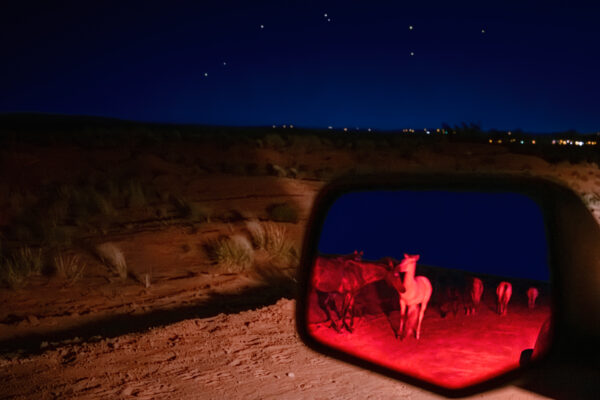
<point x="253" y="354"/>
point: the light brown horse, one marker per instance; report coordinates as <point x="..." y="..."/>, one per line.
<point x="345" y="276"/>
<point x="412" y="291"/>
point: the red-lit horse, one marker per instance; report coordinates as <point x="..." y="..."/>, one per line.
<point x="345" y="276"/>
<point x="413" y="291"/>
<point x="503" y="291"/>
<point x="532" y="295"/>
<point x="474" y="295"/>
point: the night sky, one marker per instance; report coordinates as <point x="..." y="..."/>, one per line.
<point x="494" y="233"/>
<point x="366" y="64"/>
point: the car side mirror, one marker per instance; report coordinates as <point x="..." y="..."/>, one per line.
<point x="453" y="283"/>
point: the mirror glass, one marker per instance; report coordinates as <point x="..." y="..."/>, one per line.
<point x="447" y="287"/>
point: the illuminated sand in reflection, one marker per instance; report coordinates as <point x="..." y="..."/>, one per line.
<point x="454" y="352"/>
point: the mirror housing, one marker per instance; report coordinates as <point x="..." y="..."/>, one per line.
<point x="573" y="236"/>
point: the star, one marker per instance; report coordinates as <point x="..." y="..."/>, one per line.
<point x="206" y="74"/>
<point x="224" y="63"/>
<point x="412" y="53"/>
<point x="328" y="19"/>
<point x="483" y="31"/>
<point x="410" y="27"/>
<point x="325" y="15"/>
<point x="262" y="26"/>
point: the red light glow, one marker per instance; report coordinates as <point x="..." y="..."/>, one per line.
<point x="454" y="352"/>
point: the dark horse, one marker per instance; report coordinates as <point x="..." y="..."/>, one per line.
<point x="343" y="276"/>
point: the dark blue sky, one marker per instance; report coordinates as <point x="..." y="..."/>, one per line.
<point x="535" y="67"/>
<point x="494" y="233"/>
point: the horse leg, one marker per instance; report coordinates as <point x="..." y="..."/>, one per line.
<point x="423" y="307"/>
<point x="400" y="332"/>
<point x="350" y="310"/>
<point x="325" y="300"/>
<point x="344" y="311"/>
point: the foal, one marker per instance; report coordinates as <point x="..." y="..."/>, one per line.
<point x="412" y="291"/>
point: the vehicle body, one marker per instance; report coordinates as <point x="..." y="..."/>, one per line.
<point x="564" y="361"/>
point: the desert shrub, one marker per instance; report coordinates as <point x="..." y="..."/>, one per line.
<point x="20" y="266"/>
<point x="276" y="170"/>
<point x="198" y="212"/>
<point x="257" y="233"/>
<point x="193" y="211"/>
<point x="69" y="268"/>
<point x="113" y="258"/>
<point x="233" y="254"/>
<point x="309" y="143"/>
<point x="283" y="212"/>
<point x="274" y="141"/>
<point x="277" y="244"/>
<point x="11" y="274"/>
<point x="31" y="261"/>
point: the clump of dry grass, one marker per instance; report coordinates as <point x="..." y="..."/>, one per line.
<point x="112" y="257"/>
<point x="234" y="253"/>
<point x="274" y="240"/>
<point x="257" y="233"/>
<point x="31" y="261"/>
<point x="69" y="267"/>
<point x="11" y="274"/>
<point x="17" y="269"/>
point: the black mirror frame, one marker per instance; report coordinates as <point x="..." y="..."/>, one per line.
<point x="573" y="237"/>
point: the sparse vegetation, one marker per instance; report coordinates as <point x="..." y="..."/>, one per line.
<point x="195" y="212"/>
<point x="274" y="141"/>
<point x="113" y="258"/>
<point x="11" y="274"/>
<point x="69" y="267"/>
<point x="257" y="233"/>
<point x="283" y="212"/>
<point x="233" y="254"/>
<point x="20" y="266"/>
<point x="276" y="170"/>
<point x="273" y="239"/>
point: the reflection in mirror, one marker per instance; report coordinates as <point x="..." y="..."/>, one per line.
<point x="448" y="287"/>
